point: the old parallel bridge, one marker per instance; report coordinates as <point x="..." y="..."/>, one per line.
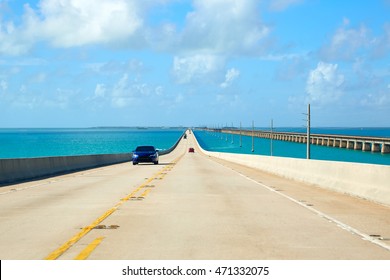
<point x="363" y="143"/>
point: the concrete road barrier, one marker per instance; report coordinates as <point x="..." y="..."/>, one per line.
<point x="14" y="170"/>
<point x="368" y="181"/>
<point x="20" y="169"/>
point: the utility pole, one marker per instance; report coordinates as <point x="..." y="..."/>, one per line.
<point x="232" y="135"/>
<point x="308" y="132"/>
<point x="272" y="134"/>
<point x="253" y="135"/>
<point x="226" y="132"/>
<point x="240" y="136"/>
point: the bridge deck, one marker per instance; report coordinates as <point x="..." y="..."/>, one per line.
<point x="189" y="207"/>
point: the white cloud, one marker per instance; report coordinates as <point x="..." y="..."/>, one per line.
<point x="378" y="97"/>
<point x="100" y="91"/>
<point x="324" y="84"/>
<point x="382" y="44"/>
<point x="121" y="94"/>
<point x="213" y="31"/>
<point x="26" y="98"/>
<point x="12" y="40"/>
<point x="23" y="88"/>
<point x="70" y="23"/>
<point x="62" y="99"/>
<point x="224" y="27"/>
<point x="159" y="90"/>
<point x="290" y="69"/>
<point x="3" y="85"/>
<point x="221" y="27"/>
<point x="347" y="42"/>
<point x="376" y="100"/>
<point x="197" y="68"/>
<point x="280" y="5"/>
<point x="128" y="92"/>
<point x="100" y="97"/>
<point x="229" y="100"/>
<point x="230" y="76"/>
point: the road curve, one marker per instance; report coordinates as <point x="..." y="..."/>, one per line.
<point x="188" y="207"/>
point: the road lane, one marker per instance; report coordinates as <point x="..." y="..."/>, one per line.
<point x="189" y="207"/>
<point x="205" y="210"/>
<point x="38" y="217"/>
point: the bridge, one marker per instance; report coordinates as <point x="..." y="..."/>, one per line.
<point x="198" y="206"/>
<point x="362" y="143"/>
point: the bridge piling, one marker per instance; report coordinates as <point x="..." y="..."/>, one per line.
<point x="343" y="143"/>
<point x="375" y="147"/>
<point x="350" y="144"/>
<point x="385" y="148"/>
<point x="366" y="146"/>
<point x="358" y="145"/>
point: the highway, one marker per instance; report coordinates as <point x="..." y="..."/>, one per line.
<point x="189" y="207"/>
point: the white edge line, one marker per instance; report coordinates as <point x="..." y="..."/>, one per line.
<point x="319" y="213"/>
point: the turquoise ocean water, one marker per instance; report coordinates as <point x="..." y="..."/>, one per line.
<point x="231" y="144"/>
<point x="22" y="143"/>
<point x="27" y="143"/>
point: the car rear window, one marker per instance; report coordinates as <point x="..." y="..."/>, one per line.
<point x="145" y="149"/>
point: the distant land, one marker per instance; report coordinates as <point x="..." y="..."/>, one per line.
<point x="137" y="127"/>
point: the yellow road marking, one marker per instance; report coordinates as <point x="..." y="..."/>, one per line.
<point x="145" y="193"/>
<point x="89" y="249"/>
<point x="58" y="252"/>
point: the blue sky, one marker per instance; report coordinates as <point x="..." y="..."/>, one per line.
<point x="73" y="63"/>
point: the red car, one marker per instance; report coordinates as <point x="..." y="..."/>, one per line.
<point x="191" y="150"/>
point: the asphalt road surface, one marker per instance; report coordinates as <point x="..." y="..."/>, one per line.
<point x="188" y="207"/>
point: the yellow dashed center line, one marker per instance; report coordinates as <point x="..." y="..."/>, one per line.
<point x="89" y="249"/>
<point x="145" y="193"/>
<point x="61" y="250"/>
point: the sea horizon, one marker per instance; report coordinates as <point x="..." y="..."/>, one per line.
<point x="44" y="142"/>
<point x="265" y="128"/>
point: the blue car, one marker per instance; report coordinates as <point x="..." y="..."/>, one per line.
<point x="145" y="154"/>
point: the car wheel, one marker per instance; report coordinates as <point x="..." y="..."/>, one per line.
<point x="134" y="163"/>
<point x="156" y="162"/>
